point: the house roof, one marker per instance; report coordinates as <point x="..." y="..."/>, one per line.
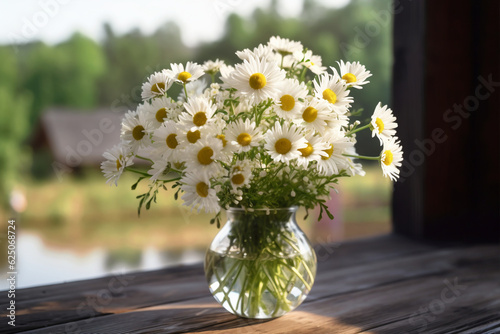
<point x="78" y="138"/>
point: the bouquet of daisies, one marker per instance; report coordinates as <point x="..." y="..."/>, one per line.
<point x="273" y="131"/>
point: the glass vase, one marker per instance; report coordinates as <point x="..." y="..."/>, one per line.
<point x="260" y="265"/>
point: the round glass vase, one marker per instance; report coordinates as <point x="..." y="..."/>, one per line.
<point x="260" y="265"/>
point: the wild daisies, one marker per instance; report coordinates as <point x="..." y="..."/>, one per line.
<point x="290" y="99"/>
<point x="391" y="158"/>
<point x="354" y="74"/>
<point x="117" y="158"/>
<point x="284" y="141"/>
<point x="136" y="129"/>
<point x="333" y="90"/>
<point x="383" y="123"/>
<point x="157" y="84"/>
<point x="274" y="130"/>
<point x="244" y="135"/>
<point x="184" y="74"/>
<point x="255" y="78"/>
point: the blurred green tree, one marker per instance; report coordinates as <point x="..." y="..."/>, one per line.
<point x="14" y="111"/>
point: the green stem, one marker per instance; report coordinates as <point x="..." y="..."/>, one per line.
<point x="185" y="91"/>
<point x="137" y="171"/>
<point x="143" y="158"/>
<point x="303" y="74"/>
<point x="172" y="180"/>
<point x="361" y="157"/>
<point x="358" y="129"/>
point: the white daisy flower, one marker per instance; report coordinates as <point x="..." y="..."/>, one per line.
<point x="313" y="152"/>
<point x="285" y="62"/>
<point x="212" y="67"/>
<point x="284" y="46"/>
<point x="335" y="161"/>
<point x="391" y="158"/>
<point x="262" y="52"/>
<point x="312" y="62"/>
<point x="255" y="78"/>
<point x="117" y="158"/>
<point x="136" y="129"/>
<point x="184" y="74"/>
<point x="160" y="110"/>
<point x="315" y="65"/>
<point x="189" y="136"/>
<point x="158" y="170"/>
<point x="226" y="70"/>
<point x="166" y="141"/>
<point x="333" y="90"/>
<point x="199" y="112"/>
<point x="241" y="174"/>
<point x="383" y="123"/>
<point x="337" y="121"/>
<point x="198" y="194"/>
<point x="314" y="115"/>
<point x="157" y="85"/>
<point x="244" y="135"/>
<point x="283" y="142"/>
<point x="353" y="168"/>
<point x="194" y="89"/>
<point x="290" y="93"/>
<point x="219" y="128"/>
<point x="354" y="74"/>
<point x="202" y="156"/>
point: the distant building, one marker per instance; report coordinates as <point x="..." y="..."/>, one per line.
<point x="77" y="138"/>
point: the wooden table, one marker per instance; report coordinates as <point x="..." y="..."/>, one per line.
<point x="382" y="285"/>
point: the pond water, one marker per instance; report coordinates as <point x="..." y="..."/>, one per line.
<point x="39" y="264"/>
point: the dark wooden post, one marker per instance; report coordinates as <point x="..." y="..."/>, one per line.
<point x="446" y="96"/>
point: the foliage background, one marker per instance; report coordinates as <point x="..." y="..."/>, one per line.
<point x="84" y="74"/>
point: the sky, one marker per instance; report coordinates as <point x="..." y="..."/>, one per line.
<point x="53" y="21"/>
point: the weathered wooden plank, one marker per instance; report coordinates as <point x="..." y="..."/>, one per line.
<point x="365" y="302"/>
<point x="393" y="308"/>
<point x="94" y="298"/>
<point x="63" y="303"/>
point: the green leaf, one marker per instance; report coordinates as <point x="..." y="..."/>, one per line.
<point x="135" y="184"/>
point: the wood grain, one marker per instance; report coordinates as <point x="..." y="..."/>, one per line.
<point x="380" y="285"/>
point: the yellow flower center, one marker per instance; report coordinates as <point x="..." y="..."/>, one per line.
<point x="388" y="158"/>
<point x="158" y="88"/>
<point x="238" y="179"/>
<point x="205" y="156"/>
<point x="330" y="95"/>
<point x="312" y="63"/>
<point x="287" y="102"/>
<point x="349" y="77"/>
<point x="193" y="136"/>
<point x="244" y="139"/>
<point x="223" y="138"/>
<point x="329" y="152"/>
<point x="257" y="81"/>
<point x="200" y="118"/>
<point x="184" y="76"/>
<point x="172" y="141"/>
<point x="202" y="189"/>
<point x="380" y="125"/>
<point x="161" y="114"/>
<point x="310" y="114"/>
<point x="138" y="132"/>
<point x="306" y="151"/>
<point x="283" y="146"/>
<point x="118" y="164"/>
